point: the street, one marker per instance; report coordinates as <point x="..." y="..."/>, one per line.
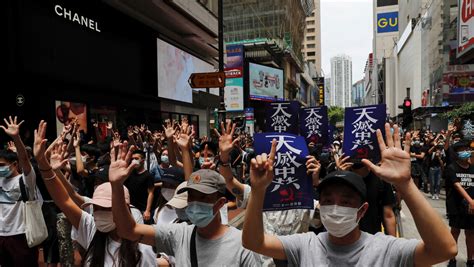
<point x="410" y="231"/>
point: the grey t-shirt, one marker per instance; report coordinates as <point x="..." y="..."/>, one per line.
<point x="370" y="250"/>
<point x="174" y="240"/>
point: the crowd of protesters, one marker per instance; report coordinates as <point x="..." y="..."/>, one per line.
<point x="161" y="197"/>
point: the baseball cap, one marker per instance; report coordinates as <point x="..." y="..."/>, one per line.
<point x="349" y="178"/>
<point x="172" y="175"/>
<point x="103" y="196"/>
<point x="102" y="174"/>
<point x="205" y="181"/>
<point x="460" y="144"/>
<point x="336" y="143"/>
<point x="179" y="200"/>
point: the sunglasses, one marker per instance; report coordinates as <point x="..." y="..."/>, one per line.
<point x="62" y="111"/>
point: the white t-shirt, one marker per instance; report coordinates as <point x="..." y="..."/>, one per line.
<point x="86" y="232"/>
<point x="11" y="205"/>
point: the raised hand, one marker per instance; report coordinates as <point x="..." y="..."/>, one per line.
<point x="395" y="165"/>
<point x="183" y="139"/>
<point x="120" y="163"/>
<point x="11" y="146"/>
<point x="342" y="163"/>
<point x="58" y="159"/>
<point x="13" y="128"/>
<point x="77" y="140"/>
<point x="39" y="145"/>
<point x="313" y="167"/>
<point x="261" y="169"/>
<point x="170" y="129"/>
<point x="226" y="143"/>
<point x="110" y="125"/>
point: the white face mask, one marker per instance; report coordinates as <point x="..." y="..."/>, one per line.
<point x="339" y="220"/>
<point x="167" y="193"/>
<point x="104" y="221"/>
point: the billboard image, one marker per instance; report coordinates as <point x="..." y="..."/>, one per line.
<point x="265" y="83"/>
<point x="387" y="22"/>
<point x="174" y="68"/>
<point x="67" y="111"/>
<point x="234" y="94"/>
<point x="465" y="27"/>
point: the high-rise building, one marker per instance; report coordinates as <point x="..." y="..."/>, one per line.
<point x="341" y="81"/>
<point x="312" y="38"/>
<point x="358" y="93"/>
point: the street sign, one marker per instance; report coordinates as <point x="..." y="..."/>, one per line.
<point x="207" y="80"/>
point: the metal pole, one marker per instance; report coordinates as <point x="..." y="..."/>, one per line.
<point x="220" y="14"/>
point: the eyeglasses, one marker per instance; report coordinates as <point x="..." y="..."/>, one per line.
<point x="62" y="111"/>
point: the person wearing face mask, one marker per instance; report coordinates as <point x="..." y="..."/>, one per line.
<point x="417" y="154"/>
<point x="14" y="250"/>
<point x="206" y="243"/>
<point x="206" y="156"/>
<point x="380" y="198"/>
<point x="459" y="177"/>
<point x="172" y="177"/>
<point x="96" y="233"/>
<point x="342" y="199"/>
<point x="141" y="186"/>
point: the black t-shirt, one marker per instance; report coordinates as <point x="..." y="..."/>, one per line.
<point x="379" y="194"/>
<point x="435" y="159"/>
<point x="455" y="203"/>
<point x="450" y="155"/>
<point x="418" y="150"/>
<point x="138" y="185"/>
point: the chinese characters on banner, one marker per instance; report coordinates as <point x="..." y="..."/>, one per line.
<point x="360" y="125"/>
<point x="291" y="187"/>
<point x="282" y="117"/>
<point x="314" y="124"/>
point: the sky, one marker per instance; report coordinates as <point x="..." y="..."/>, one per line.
<point x="346" y="28"/>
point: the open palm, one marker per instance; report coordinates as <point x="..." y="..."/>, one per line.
<point x="120" y="167"/>
<point x="13" y="128"/>
<point x="395" y="164"/>
<point x="226" y="143"/>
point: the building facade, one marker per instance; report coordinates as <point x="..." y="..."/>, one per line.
<point x="312" y="39"/>
<point x="341" y="81"/>
<point x="103" y="57"/>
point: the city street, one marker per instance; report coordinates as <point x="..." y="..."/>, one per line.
<point x="410" y="231"/>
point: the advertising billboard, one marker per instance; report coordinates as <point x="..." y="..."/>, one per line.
<point x="265" y="83"/>
<point x="387" y="22"/>
<point x="234" y="87"/>
<point x="381" y="3"/>
<point x="174" y="68"/>
<point x="66" y="112"/>
<point x="465" y="27"/>
<point x="234" y="94"/>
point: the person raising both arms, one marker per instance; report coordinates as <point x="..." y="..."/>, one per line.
<point x="342" y="206"/>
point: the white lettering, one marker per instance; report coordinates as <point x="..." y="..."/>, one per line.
<point x="75" y="17"/>
<point x="91" y="24"/>
<point x="58" y="10"/>
<point x="84" y="20"/>
<point x="67" y="14"/>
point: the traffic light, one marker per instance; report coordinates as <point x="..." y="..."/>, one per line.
<point x="407" y="115"/>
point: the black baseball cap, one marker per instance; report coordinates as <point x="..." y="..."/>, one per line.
<point x="349" y="178"/>
<point x="173" y="176"/>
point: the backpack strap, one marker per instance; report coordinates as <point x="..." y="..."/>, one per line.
<point x="24" y="195"/>
<point x="194" y="262"/>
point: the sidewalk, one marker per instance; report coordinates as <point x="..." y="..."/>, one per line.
<point x="410" y="231"/>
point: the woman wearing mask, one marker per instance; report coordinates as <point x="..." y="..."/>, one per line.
<point x="97" y="234"/>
